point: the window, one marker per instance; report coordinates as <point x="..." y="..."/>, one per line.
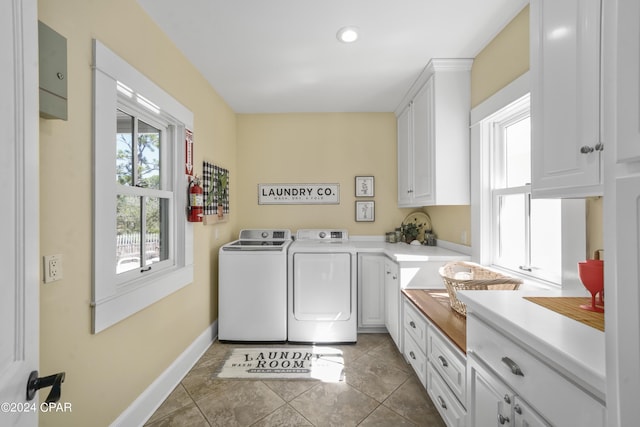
<point x="526" y="234"/>
<point x="142" y="241"/>
<point x="539" y="240"/>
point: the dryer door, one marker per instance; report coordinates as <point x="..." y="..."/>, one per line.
<point x="322" y="286"/>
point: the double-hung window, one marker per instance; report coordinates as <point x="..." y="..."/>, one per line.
<point x="142" y="241"/>
<point x="540" y="240"/>
<point x="526" y="233"/>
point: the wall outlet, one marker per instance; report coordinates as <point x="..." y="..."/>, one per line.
<point x="52" y="268"/>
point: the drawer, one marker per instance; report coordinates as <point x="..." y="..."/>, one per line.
<point x="416" y="358"/>
<point x="451" y="411"/>
<point x="448" y="361"/>
<point x="416" y="325"/>
<point x="554" y="396"/>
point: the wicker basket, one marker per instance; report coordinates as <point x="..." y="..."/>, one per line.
<point x="462" y="275"/>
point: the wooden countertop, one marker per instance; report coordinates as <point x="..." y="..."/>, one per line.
<point x="434" y="304"/>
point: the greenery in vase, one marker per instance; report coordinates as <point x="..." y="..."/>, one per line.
<point x="410" y="231"/>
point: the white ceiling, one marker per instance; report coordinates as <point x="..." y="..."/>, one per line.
<point x="274" y="56"/>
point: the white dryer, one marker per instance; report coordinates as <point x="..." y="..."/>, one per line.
<point x="322" y="288"/>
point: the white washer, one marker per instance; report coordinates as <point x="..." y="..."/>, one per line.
<point x="322" y="287"/>
<point x="252" y="287"/>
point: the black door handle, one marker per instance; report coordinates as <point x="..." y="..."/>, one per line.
<point x="54" y="381"/>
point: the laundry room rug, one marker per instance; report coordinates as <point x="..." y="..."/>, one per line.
<point x="321" y="363"/>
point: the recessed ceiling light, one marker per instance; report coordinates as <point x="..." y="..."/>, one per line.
<point x="347" y="34"/>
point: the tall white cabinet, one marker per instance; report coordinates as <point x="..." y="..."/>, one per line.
<point x="566" y="98"/>
<point x="621" y="59"/>
<point x="433" y="136"/>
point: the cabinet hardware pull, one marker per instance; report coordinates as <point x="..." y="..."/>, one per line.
<point x="517" y="409"/>
<point x="412" y="324"/>
<point x="599" y="146"/>
<point x="515" y="369"/>
<point x="502" y="419"/>
<point x="413" y="356"/>
<point x="442" y="403"/>
<point x="585" y="149"/>
<point x="507" y="399"/>
<point x="443" y="361"/>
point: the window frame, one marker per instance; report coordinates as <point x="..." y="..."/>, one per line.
<point x="483" y="119"/>
<point x="113" y="301"/>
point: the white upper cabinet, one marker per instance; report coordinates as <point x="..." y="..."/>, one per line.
<point x="566" y="142"/>
<point x="628" y="77"/>
<point x="433" y="136"/>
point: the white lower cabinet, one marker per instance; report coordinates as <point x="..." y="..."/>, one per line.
<point x="510" y="386"/>
<point x="451" y="410"/>
<point x="371" y="273"/>
<point x="416" y="357"/>
<point x="439" y="365"/>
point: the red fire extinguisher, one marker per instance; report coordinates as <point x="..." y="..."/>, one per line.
<point x="195" y="201"/>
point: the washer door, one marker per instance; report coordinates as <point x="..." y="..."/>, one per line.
<point x="322" y="286"/>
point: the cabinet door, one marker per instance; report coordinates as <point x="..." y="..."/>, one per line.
<point x="405" y="166"/>
<point x="392" y="301"/>
<point x="371" y="276"/>
<point x="525" y="416"/>
<point x="423" y="145"/>
<point x="490" y="399"/>
<point x="565" y="98"/>
<point x="628" y="81"/>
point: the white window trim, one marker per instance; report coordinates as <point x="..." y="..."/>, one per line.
<point x="112" y="303"/>
<point x="573" y="210"/>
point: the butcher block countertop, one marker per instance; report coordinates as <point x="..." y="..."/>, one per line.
<point x="434" y="304"/>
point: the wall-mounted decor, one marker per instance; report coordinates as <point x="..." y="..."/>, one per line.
<point x="364" y="186"/>
<point x="216" y="190"/>
<point x="365" y="211"/>
<point x="298" y="194"/>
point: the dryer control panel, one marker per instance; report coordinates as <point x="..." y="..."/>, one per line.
<point x="329" y="235"/>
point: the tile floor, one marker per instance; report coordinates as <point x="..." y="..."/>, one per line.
<point x="380" y="389"/>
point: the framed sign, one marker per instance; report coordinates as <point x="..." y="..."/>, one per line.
<point x="365" y="211"/>
<point x="298" y="194"/>
<point x="364" y="186"/>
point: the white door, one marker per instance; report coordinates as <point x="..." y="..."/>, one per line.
<point x="322" y="286"/>
<point x="19" y="217"/>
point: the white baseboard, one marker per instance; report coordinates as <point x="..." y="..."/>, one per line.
<point x="150" y="400"/>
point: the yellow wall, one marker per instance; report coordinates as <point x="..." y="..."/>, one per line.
<point x="107" y="371"/>
<point x="504" y="59"/>
<point x="318" y="148"/>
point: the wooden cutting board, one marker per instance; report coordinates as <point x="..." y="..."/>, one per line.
<point x="570" y="307"/>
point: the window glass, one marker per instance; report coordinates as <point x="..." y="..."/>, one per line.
<point x="148" y="156"/>
<point x="128" y="233"/>
<point x="124" y="148"/>
<point x="518" y="153"/>
<point x="511" y="230"/>
<point x="546" y="236"/>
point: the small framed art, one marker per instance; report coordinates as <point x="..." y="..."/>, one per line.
<point x="364" y="186"/>
<point x="365" y="211"/>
